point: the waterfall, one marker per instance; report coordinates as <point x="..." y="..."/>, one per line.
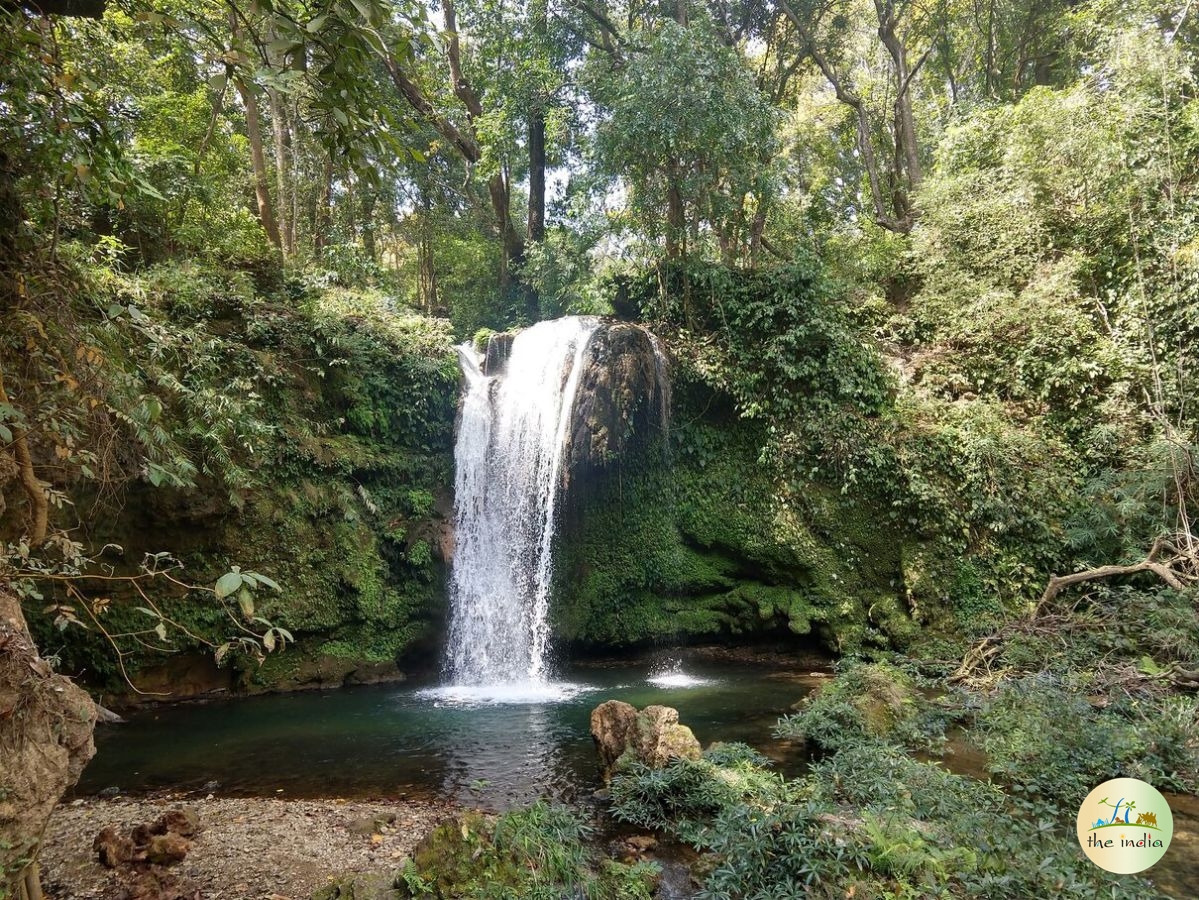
<point x="508" y="456"/>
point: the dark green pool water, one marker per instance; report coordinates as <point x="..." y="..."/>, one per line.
<point x="401" y="740"/>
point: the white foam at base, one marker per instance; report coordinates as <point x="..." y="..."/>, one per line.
<point x="510" y="693"/>
<point x="675" y="677"/>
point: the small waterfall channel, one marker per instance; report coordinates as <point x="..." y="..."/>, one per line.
<point x="509" y="453"/>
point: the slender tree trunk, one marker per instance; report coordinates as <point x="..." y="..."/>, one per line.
<point x="324" y="210"/>
<point x="906" y="144"/>
<point x="676" y="217"/>
<point x="282" y="145"/>
<point x="989" y="82"/>
<point x="369" y="201"/>
<point x="262" y="191"/>
<point x="351" y="207"/>
<point x="30" y="887"/>
<point x="536" y="228"/>
<point x="536" y="225"/>
<point x="756" y="231"/>
<point x="426" y="264"/>
<point x="498" y="187"/>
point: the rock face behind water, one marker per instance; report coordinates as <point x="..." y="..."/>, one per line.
<point x="652" y="736"/>
<point x="623" y="397"/>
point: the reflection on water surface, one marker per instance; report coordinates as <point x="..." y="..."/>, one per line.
<point x="483" y="747"/>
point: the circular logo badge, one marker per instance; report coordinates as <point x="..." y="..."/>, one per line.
<point x="1125" y="825"/>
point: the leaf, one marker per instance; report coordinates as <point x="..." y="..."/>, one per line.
<point x="148" y="612"/>
<point x="5" y="434"/>
<point x="1148" y="667"/>
<point x="220" y="652"/>
<point x="161" y="630"/>
<point x="317" y="24"/>
<point x="227" y="584"/>
<point x="267" y="581"/>
<point x="376" y="42"/>
<point x="268" y="640"/>
<point x="246" y="601"/>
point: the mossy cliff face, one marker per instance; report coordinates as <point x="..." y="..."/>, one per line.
<point x="688" y="535"/>
<point x="342" y="496"/>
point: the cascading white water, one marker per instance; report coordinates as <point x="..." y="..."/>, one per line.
<point x="509" y="455"/>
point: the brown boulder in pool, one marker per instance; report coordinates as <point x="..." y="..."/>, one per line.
<point x="652" y="736"/>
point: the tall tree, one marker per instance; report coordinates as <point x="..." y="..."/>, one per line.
<point x="262" y="189"/>
<point x="829" y="34"/>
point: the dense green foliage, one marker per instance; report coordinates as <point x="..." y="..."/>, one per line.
<point x="304" y="431"/>
<point x="926" y="273"/>
<point x="538" y="852"/>
<point x="870" y="820"/>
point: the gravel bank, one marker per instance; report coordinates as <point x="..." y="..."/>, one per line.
<point x="249" y="849"/>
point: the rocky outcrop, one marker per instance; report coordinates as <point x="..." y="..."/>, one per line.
<point x="612" y="725"/>
<point x="495" y="356"/>
<point x="46" y="724"/>
<point x="652" y="736"/>
<point x="191" y="676"/>
<point x="623" y="399"/>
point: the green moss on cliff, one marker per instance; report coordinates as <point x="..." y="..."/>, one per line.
<point x="708" y="543"/>
<point x="327" y="445"/>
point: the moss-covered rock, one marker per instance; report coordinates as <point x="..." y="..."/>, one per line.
<point x="338" y="489"/>
<point x="698" y="538"/>
<point x="363" y="886"/>
<point x="652" y="737"/>
<point x="622" y="401"/>
<point x="865" y="703"/>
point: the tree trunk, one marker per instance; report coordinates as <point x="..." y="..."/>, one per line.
<point x="536" y="227"/>
<point x="324" y="211"/>
<point x="282" y="144"/>
<point x="30" y="886"/>
<point x="44" y="745"/>
<point x="676" y="222"/>
<point x="426" y="264"/>
<point x="369" y="200"/>
<point x="906" y="145"/>
<point x="465" y="141"/>
<point x="536" y="224"/>
<point x="757" y="231"/>
<point x="262" y="191"/>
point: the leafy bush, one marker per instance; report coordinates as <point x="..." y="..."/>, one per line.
<point x="865" y="703"/>
<point x="689" y="794"/>
<point x="539" y="852"/>
<point x="1051" y="746"/>
<point x="867" y="821"/>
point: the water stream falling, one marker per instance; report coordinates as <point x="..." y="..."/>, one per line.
<point x="509" y="455"/>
